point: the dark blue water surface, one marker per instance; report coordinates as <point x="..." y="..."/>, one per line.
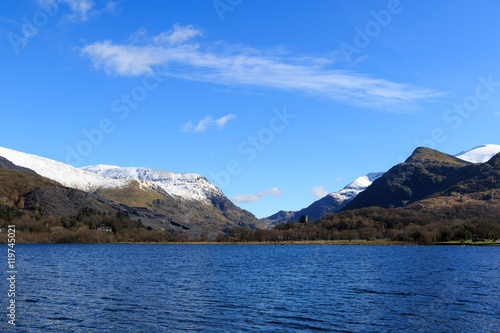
<point x="254" y="288"/>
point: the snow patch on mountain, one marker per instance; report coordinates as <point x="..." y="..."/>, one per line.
<point x="354" y="188"/>
<point x="186" y="185"/>
<point x="331" y="203"/>
<point x="363" y="182"/>
<point x="479" y="154"/>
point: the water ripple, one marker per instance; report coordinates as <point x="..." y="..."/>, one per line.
<point x="178" y="288"/>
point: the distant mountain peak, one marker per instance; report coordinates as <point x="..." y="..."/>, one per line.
<point x="427" y="173"/>
<point x="479" y="154"/>
<point x="426" y="155"/>
<point x="330" y="203"/>
<point x="362" y="182"/>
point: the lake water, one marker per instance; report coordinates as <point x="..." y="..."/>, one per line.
<point x="254" y="288"/>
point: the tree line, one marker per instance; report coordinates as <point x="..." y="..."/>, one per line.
<point x="82" y="228"/>
<point x="415" y="224"/>
<point x="425" y="224"/>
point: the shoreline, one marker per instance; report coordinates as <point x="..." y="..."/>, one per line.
<point x="318" y="242"/>
<point x="333" y="242"/>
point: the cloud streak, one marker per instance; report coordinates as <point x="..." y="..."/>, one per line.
<point x="81" y="10"/>
<point x="207" y="122"/>
<point x="254" y="197"/>
<point x="175" y="54"/>
<point x="177" y="35"/>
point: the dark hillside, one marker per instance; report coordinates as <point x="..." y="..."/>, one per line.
<point x="425" y="173"/>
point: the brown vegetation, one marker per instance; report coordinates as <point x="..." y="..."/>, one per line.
<point x="32" y="228"/>
<point x="426" y="222"/>
<point x="17" y="183"/>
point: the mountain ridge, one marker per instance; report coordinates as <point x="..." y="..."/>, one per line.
<point x="424" y="174"/>
<point x="186" y="185"/>
<point x="479" y="154"/>
<point x="328" y="204"/>
<point x="428" y="155"/>
<point x="186" y="197"/>
<point x="179" y="197"/>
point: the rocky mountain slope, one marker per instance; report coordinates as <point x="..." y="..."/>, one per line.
<point x="184" y="196"/>
<point x="16" y="181"/>
<point x="185" y="185"/>
<point x="281" y="216"/>
<point x="428" y="173"/>
<point x="29" y="191"/>
<point x="439" y="198"/>
<point x="331" y="203"/>
<point x="184" y="199"/>
<point x="335" y="201"/>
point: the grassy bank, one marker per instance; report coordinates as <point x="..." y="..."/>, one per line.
<point x="316" y="242"/>
<point x="470" y="243"/>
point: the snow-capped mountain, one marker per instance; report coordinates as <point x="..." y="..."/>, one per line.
<point x="331" y="203"/>
<point x="191" y="187"/>
<point x="185" y="185"/>
<point x="355" y="187"/>
<point x="62" y="173"/>
<point x="181" y="197"/>
<point x="479" y="154"/>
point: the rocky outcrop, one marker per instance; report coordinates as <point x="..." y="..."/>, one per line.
<point x="61" y="201"/>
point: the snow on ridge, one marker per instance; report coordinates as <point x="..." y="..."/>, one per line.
<point x="99" y="167"/>
<point x="363" y="182"/>
<point x="186" y="185"/>
<point x="479" y="154"/>
<point x="355" y="187"/>
<point x="62" y="173"/>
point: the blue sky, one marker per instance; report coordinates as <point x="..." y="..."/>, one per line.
<point x="277" y="103"/>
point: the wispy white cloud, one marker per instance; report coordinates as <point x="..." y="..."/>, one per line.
<point x="177" y="35"/>
<point x="175" y="53"/>
<point x="206" y="122"/>
<point x="254" y="197"/>
<point x="221" y="122"/>
<point x="123" y="60"/>
<point x="111" y="6"/>
<point x="81" y="10"/>
<point x="319" y="191"/>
